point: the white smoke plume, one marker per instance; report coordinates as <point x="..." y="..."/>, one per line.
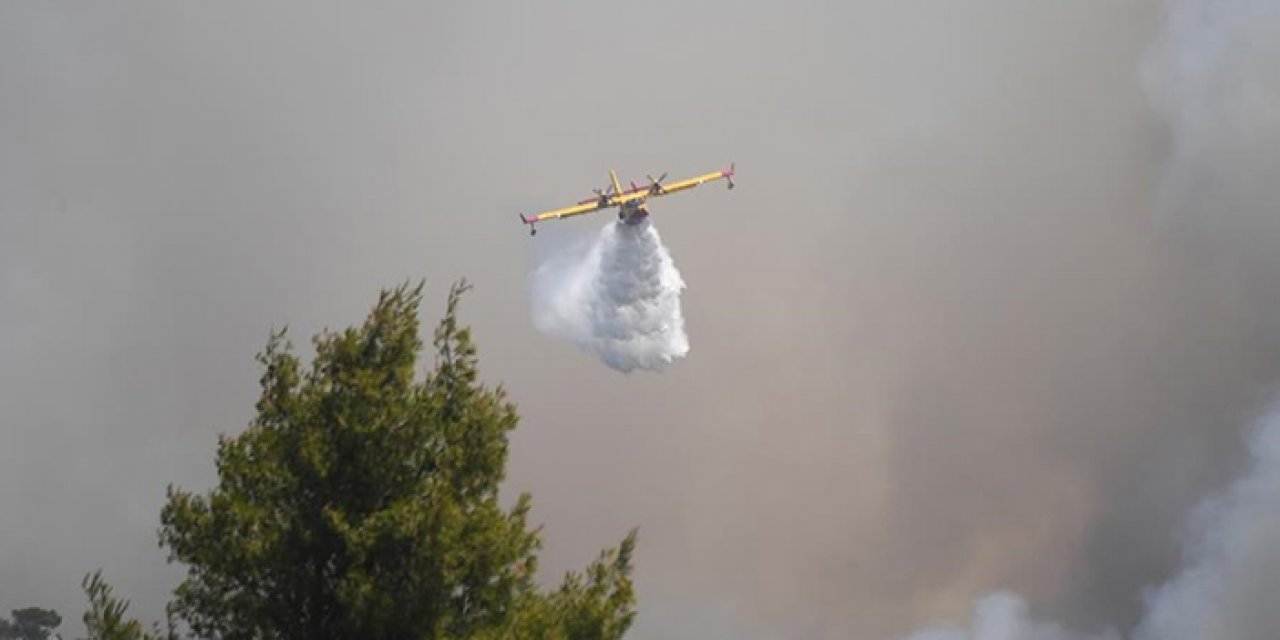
<point x="1213" y="78"/>
<point x="617" y="296"/>
<point x="1003" y="616"/>
<point x="1225" y="589"/>
<point x="1228" y="586"/>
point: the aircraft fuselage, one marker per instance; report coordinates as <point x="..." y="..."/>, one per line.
<point x="633" y="212"/>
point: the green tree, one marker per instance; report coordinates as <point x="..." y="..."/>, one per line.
<point x="105" y="619"/>
<point x="363" y="502"/>
<point x="31" y="623"/>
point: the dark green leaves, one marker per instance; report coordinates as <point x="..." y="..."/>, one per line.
<point x="31" y="623"/>
<point x="362" y="502"/>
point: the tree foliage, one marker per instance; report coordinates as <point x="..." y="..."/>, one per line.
<point x="31" y="623"/>
<point x="106" y="620"/>
<point x="362" y="502"/>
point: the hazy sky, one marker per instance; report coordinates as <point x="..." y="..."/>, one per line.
<point x="948" y="335"/>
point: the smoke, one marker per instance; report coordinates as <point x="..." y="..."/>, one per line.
<point x="617" y="296"/>
<point x="1225" y="589"/>
<point x="1213" y="78"/>
<point x="942" y="349"/>
<point x="1004" y="616"/>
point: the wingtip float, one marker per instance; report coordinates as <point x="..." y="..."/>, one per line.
<point x="630" y="202"/>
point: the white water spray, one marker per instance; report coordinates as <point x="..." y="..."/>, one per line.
<point x="617" y="296"/>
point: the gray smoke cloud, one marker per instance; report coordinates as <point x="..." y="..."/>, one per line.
<point x="1225" y="588"/>
<point x="948" y="338"/>
<point x="1005" y="616"/>
<point x="617" y="296"/>
<point x="1213" y="77"/>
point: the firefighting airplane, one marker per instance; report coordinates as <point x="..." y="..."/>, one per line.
<point x="630" y="203"/>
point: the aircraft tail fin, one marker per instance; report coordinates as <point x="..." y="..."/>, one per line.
<point x="617" y="186"/>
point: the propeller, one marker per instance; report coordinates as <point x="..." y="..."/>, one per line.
<point x="655" y="186"/>
<point x="608" y="191"/>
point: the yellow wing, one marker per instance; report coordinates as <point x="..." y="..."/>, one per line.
<point x="575" y="210"/>
<point x="620" y="197"/>
<point x="676" y="187"/>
